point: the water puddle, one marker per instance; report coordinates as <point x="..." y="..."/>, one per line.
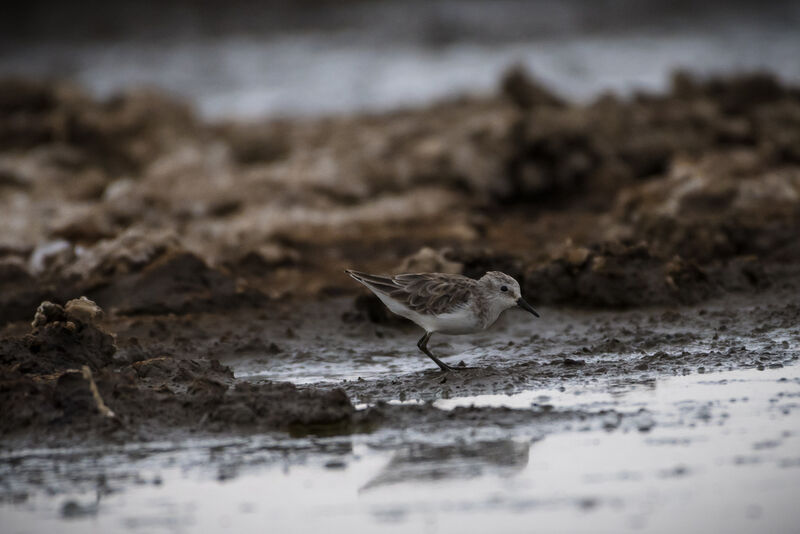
<point x="722" y="455"/>
<point x="669" y="392"/>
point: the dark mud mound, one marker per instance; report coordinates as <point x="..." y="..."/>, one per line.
<point x="154" y="274"/>
<point x="616" y="274"/>
<point x="603" y="147"/>
<point x="66" y="380"/>
<point x="133" y="274"/>
<point x="58" y="346"/>
<point x="119" y="135"/>
<point x="719" y="206"/>
<point x="706" y="173"/>
<point x="177" y="283"/>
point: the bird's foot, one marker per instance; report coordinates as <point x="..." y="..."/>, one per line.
<point x="447" y="368"/>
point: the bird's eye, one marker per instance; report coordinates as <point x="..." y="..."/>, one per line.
<point x="503" y="288"/>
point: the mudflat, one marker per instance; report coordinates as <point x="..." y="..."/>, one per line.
<point x="657" y="235"/>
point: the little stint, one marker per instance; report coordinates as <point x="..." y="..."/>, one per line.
<point x="446" y="303"/>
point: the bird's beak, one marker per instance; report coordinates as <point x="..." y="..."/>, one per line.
<point x="525" y="306"/>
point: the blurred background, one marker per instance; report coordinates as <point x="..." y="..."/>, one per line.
<point x="288" y="58"/>
<point x="285" y="141"/>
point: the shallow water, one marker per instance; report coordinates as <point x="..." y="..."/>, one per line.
<point x="704" y="452"/>
<point x="656" y="419"/>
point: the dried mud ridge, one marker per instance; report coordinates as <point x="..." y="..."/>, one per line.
<point x="620" y="202"/>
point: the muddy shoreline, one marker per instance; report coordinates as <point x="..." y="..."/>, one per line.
<point x="179" y="344"/>
<point x="659" y="232"/>
<point x="394" y="422"/>
<point x="196" y="376"/>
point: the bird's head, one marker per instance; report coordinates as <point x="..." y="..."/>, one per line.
<point x="503" y="291"/>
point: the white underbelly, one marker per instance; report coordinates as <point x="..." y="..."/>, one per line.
<point x="454" y="323"/>
<point x="461" y="321"/>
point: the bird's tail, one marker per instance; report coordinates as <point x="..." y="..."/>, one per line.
<point x="373" y="281"/>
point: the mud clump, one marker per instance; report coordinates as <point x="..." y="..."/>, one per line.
<point x="525" y="92"/>
<point x="718" y="207"/>
<point x="121" y="134"/>
<point x="602" y="148"/>
<point x="64" y="380"/>
<point x="62" y="338"/>
<point x="134" y="273"/>
<point x="617" y="275"/>
<point x="82" y="310"/>
<point x="138" y="273"/>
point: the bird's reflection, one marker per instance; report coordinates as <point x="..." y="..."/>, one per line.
<point x="426" y="462"/>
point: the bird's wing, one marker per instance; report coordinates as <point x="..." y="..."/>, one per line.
<point x="428" y="293"/>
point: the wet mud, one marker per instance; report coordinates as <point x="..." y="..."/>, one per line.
<point x="314" y="369"/>
<point x="47" y="400"/>
<point x="165" y="279"/>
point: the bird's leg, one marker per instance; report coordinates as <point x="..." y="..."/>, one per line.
<point x="423" y="346"/>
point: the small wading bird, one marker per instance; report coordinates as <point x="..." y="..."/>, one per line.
<point x="446" y="303"/>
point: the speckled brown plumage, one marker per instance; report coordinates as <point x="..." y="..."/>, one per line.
<point x="427" y="293"/>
